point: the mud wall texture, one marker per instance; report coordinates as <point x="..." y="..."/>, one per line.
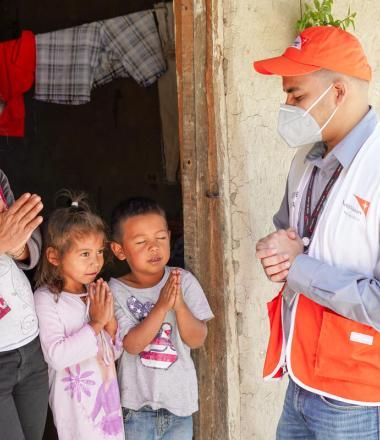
<point x="255" y="164"/>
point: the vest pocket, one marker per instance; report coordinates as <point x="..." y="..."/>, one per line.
<point x="348" y="351"/>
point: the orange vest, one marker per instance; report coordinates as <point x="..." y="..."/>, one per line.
<point x="326" y="353"/>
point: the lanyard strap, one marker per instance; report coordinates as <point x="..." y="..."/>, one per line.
<point x="311" y="218"/>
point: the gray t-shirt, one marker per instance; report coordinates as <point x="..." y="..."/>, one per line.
<point x="163" y="375"/>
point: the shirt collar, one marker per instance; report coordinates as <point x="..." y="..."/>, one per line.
<point x="349" y="146"/>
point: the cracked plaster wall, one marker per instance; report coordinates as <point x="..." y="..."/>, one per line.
<point x="257" y="165"/>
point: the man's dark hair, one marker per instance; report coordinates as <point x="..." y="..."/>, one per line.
<point x="131" y="208"/>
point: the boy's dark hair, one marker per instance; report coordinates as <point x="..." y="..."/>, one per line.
<point x="131" y="208"/>
<point x="72" y="219"/>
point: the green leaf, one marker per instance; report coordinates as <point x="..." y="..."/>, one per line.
<point x="319" y="13"/>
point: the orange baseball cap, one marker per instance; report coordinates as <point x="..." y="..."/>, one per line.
<point x="316" y="48"/>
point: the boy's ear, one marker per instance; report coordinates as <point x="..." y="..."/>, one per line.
<point x="118" y="250"/>
<point x="52" y="256"/>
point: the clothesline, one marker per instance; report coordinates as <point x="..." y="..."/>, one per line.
<point x="72" y="61"/>
<point x="67" y="64"/>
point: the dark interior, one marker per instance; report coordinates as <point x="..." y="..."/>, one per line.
<point x="110" y="147"/>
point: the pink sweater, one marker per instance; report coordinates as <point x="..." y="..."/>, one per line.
<point x="84" y="394"/>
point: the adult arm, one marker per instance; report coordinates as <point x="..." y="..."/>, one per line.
<point x="28" y="253"/>
<point x="347" y="293"/>
<point x="276" y="264"/>
<point x="281" y="218"/>
<point x="350" y="294"/>
<point x="33" y="249"/>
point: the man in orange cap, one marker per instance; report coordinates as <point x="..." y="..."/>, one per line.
<point x="326" y="251"/>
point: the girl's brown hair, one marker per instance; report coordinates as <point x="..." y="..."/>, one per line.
<point x="72" y="220"/>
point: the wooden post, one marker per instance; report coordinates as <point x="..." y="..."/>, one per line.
<point x="202" y="203"/>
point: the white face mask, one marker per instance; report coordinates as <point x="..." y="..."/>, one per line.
<point x="297" y="127"/>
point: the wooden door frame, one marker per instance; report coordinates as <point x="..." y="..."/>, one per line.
<point x="201" y="127"/>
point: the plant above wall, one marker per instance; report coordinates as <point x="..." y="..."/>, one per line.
<point x="319" y="13"/>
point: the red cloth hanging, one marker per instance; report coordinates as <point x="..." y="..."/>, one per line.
<point x="17" y="69"/>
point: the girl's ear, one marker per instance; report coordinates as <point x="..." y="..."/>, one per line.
<point x="118" y="250"/>
<point x="52" y="256"/>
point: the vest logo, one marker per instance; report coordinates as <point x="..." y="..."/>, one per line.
<point x="364" y="204"/>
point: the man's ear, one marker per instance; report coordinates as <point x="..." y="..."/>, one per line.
<point x="118" y="250"/>
<point x="52" y="256"/>
<point x="340" y="89"/>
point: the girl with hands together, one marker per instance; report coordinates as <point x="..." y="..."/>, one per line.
<point x="78" y="330"/>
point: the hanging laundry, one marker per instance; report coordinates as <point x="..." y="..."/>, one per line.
<point x="167" y="92"/>
<point x="17" y="68"/>
<point x="70" y="62"/>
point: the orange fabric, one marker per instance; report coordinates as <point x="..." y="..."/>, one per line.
<point x="273" y="357"/>
<point x="17" y="69"/>
<point x="316" y="48"/>
<point x="326" y="357"/>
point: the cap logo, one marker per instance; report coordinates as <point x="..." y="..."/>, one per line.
<point x="297" y="43"/>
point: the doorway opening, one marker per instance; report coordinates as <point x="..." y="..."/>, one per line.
<point x="111" y="148"/>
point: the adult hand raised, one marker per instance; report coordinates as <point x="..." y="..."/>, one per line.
<point x="19" y="221"/>
<point x="277" y="251"/>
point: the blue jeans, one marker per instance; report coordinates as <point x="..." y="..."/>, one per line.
<point x="149" y="424"/>
<point x="309" y="416"/>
